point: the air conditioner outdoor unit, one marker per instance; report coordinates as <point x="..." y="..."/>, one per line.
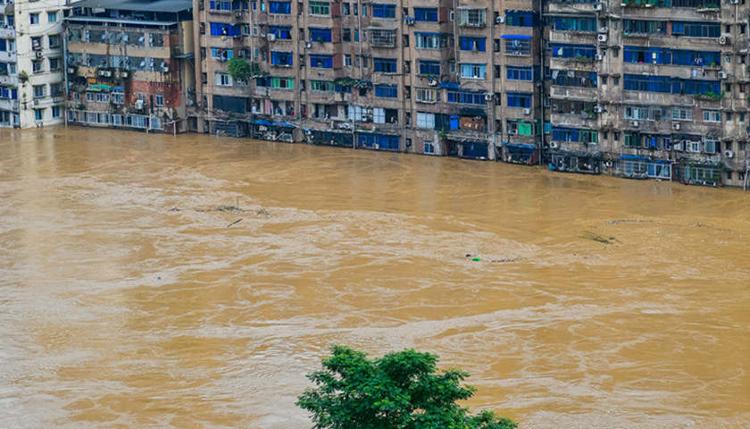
<point x="602" y="38"/>
<point x="676" y="126"/>
<point x="527" y="111"/>
<point x="452" y="16"/>
<point x="409" y="20"/>
<point x="432" y="82"/>
<point x="722" y="75"/>
<point x="271" y="37"/>
<point x="308" y="45"/>
<point x="600" y="57"/>
<point x="39" y="54"/>
<point x="598" y="109"/>
<point x="500" y="20"/>
<point x="728" y="154"/>
<point x="488" y="96"/>
<point x="634" y="124"/>
<point x="139" y="104"/>
<point x="724" y="39"/>
<point x="553" y="145"/>
<point x="598" y="7"/>
<point x="603" y="30"/>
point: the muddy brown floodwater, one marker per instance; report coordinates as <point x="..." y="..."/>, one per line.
<point x="132" y="297"/>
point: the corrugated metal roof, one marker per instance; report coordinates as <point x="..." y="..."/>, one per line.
<point x="138" y="5"/>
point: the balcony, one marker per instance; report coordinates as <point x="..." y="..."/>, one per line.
<point x="471" y="17"/>
<point x="382" y="38"/>
<point x="7" y="32"/>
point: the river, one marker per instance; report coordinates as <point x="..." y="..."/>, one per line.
<point x="191" y="282"/>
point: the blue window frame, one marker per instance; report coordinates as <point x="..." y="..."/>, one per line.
<point x="222" y="53"/>
<point x="673" y="85"/>
<point x="466" y="97"/>
<point x="320" y="34"/>
<point x="220" y="5"/>
<point x="386" y="91"/>
<point x="380" y="10"/>
<point x="519" y="73"/>
<point x="429" y="68"/>
<point x="3" y="45"/>
<point x="520" y="18"/>
<point x="562" y="50"/>
<point x="321" y="61"/>
<point x="383" y="141"/>
<point x="577" y="135"/>
<point x="8" y="93"/>
<point x="281" y="32"/>
<point x="281" y="58"/>
<point x="468" y="43"/>
<point x="564" y="23"/>
<point x="280" y="7"/>
<point x="696" y="29"/>
<point x="385" y="65"/>
<point x="223" y="29"/>
<point x="519" y="99"/>
<point x="639" y="54"/>
<point x="426" y="14"/>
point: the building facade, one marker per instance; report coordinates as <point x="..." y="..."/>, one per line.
<point x="129" y="64"/>
<point x="31" y="63"/>
<point x="649" y="88"/>
<point x="444" y="77"/>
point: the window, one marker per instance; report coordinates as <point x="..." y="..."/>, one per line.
<point x="638" y="54"/>
<point x="426" y="95"/>
<point x="281" y="32"/>
<point x="426" y="120"/>
<point x="56" y="89"/>
<point x="221" y="29"/>
<point x="636" y="26"/>
<point x="223" y="79"/>
<point x="54" y="41"/>
<point x="52" y="17"/>
<point x="477" y="44"/>
<point x="711" y="116"/>
<point x="431" y="40"/>
<point x="282" y="83"/>
<point x="472" y="17"/>
<point x="320" y="8"/>
<point x="386" y="91"/>
<point x="38" y="114"/>
<point x="321" y="86"/>
<point x="519" y="99"/>
<point x="159" y="100"/>
<point x="321" y="61"/>
<point x="383" y="10"/>
<point x="696" y="29"/>
<point x="520" y="18"/>
<point x="710" y="145"/>
<point x="34" y="18"/>
<point x="280" y="7"/>
<point x="56" y="112"/>
<point x="682" y="114"/>
<point x="474" y="71"/>
<point x="385" y="65"/>
<point x="429" y="147"/>
<point x="466" y="97"/>
<point x="518" y="73"/>
<point x="673" y="85"/>
<point x="54" y="64"/>
<point x="281" y="58"/>
<point x="425" y="14"/>
<point x="560" y="50"/>
<point x="563" y="23"/>
<point x="575" y="78"/>
<point x="429" y="68"/>
<point x="40" y="91"/>
<point x="320" y="35"/>
<point x="518" y="46"/>
<point x="37" y="66"/>
<point x="118" y="97"/>
<point x="222" y="54"/>
<point x="575" y="135"/>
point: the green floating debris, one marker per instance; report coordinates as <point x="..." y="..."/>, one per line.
<point x="476" y="259"/>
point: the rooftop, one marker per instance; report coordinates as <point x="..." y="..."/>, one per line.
<point x="137" y="5"/>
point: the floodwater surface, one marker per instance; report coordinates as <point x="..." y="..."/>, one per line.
<point x="191" y="282"/>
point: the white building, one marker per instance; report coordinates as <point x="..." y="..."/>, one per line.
<point x="31" y="63"/>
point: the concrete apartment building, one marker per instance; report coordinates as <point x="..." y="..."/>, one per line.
<point x="129" y="64"/>
<point x="649" y="88"/>
<point x="31" y="63"/>
<point x="441" y="77"/>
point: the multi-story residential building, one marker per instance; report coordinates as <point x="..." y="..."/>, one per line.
<point x="649" y="88"/>
<point x="447" y="77"/>
<point x="129" y="64"/>
<point x="31" y="58"/>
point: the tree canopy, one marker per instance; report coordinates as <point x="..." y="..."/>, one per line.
<point x="241" y="70"/>
<point x="401" y="390"/>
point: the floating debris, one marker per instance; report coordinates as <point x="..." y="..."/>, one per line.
<point x="599" y="238"/>
<point x="235" y="222"/>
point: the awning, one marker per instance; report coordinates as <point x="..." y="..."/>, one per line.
<point x="263" y="122"/>
<point x="284" y="124"/>
<point x="521" y="146"/>
<point x="449" y="85"/>
<point x="98" y="87"/>
<point x="515" y="37"/>
<point x="629" y="157"/>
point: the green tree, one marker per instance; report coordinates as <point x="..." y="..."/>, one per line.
<point x="241" y="70"/>
<point x="401" y="390"/>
